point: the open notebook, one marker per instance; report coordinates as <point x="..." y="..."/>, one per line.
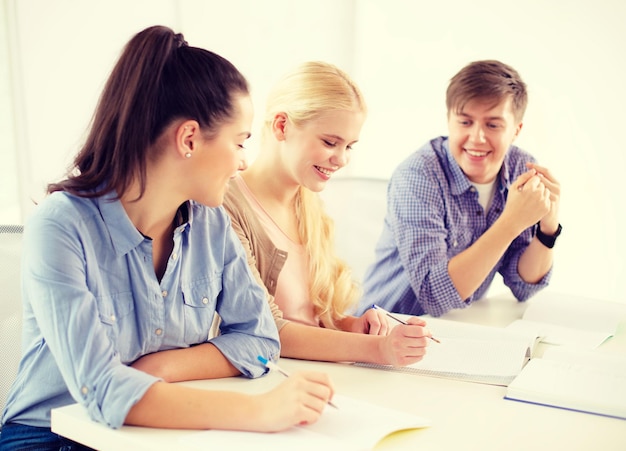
<point x="561" y="319"/>
<point x="472" y="352"/>
<point x="355" y="426"/>
<point x="574" y="379"/>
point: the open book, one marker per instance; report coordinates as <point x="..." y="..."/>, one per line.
<point x="472" y="352"/>
<point x="355" y="426"/>
<point x="570" y="320"/>
<point x="585" y="381"/>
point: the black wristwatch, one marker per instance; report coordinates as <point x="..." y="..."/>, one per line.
<point x="547" y="240"/>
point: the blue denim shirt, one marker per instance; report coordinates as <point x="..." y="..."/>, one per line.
<point x="433" y="214"/>
<point x="93" y="305"/>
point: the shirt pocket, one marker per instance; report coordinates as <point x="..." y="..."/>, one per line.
<point x="115" y="311"/>
<point x="199" y="305"/>
<point x="458" y="240"/>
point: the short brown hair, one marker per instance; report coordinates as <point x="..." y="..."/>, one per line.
<point x="487" y="80"/>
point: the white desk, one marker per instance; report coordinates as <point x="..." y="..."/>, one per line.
<point x="464" y="415"/>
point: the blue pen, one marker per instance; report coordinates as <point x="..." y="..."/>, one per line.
<point x="272" y="366"/>
<point x="374" y="306"/>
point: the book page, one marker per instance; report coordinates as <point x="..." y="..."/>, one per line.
<point x="355" y="425"/>
<point x="570" y="320"/>
<point x="496" y="362"/>
<point x="558" y="335"/>
<point x="614" y="363"/>
<point x="574" y="386"/>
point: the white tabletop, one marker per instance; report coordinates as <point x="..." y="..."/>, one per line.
<point x="464" y="415"/>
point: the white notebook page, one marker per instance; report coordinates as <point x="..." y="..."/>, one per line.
<point x="355" y="425"/>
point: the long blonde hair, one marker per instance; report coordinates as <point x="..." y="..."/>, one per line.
<point x="304" y="94"/>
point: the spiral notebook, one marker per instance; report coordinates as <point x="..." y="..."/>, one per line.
<point x="471" y="352"/>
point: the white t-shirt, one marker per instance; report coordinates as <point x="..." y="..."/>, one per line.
<point x="485" y="193"/>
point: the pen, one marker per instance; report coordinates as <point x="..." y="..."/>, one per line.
<point x="272" y="366"/>
<point x="398" y="319"/>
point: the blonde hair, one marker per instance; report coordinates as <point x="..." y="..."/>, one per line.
<point x="310" y="90"/>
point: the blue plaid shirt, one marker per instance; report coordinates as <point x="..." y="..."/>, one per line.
<point x="93" y="305"/>
<point x="433" y="214"/>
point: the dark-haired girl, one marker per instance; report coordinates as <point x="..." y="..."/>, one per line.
<point x="128" y="259"/>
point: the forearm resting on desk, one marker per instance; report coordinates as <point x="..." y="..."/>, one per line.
<point x="299" y="399"/>
<point x="405" y="345"/>
<point x="203" y="361"/>
<point x="175" y="406"/>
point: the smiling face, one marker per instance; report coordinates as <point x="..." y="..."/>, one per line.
<point x="316" y="149"/>
<point x="480" y="136"/>
<point x="219" y="159"/>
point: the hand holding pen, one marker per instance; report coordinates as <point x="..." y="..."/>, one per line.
<point x="405" y="344"/>
<point x="319" y="378"/>
<point x="401" y="321"/>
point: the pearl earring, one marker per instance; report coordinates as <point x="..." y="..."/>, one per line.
<point x="188" y="155"/>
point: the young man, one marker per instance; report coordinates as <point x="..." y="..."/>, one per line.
<point x="466" y="206"/>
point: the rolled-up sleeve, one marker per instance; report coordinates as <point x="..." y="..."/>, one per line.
<point x="93" y="305"/>
<point x="71" y="327"/>
<point x="509" y="269"/>
<point x="244" y="337"/>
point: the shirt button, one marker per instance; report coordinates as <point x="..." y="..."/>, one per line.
<point x="205" y="301"/>
<point x="84" y="390"/>
<point x="158" y="331"/>
<point x="113" y="318"/>
<point x="164" y="293"/>
<point x="174" y="256"/>
<point x="455" y="244"/>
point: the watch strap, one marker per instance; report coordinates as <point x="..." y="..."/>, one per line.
<point x="547" y="240"/>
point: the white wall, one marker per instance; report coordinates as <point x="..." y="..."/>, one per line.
<point x="64" y="50"/>
<point x="9" y="205"/>
<point x="266" y="38"/>
<point x="401" y="52"/>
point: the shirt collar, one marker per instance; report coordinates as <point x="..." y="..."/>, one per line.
<point x="184" y="217"/>
<point x="124" y="235"/>
<point x="505" y="174"/>
<point x="460" y="182"/>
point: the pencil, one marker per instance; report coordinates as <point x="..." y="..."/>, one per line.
<point x="272" y="366"/>
<point x="401" y="321"/>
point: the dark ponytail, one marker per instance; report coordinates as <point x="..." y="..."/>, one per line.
<point x="157" y="79"/>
